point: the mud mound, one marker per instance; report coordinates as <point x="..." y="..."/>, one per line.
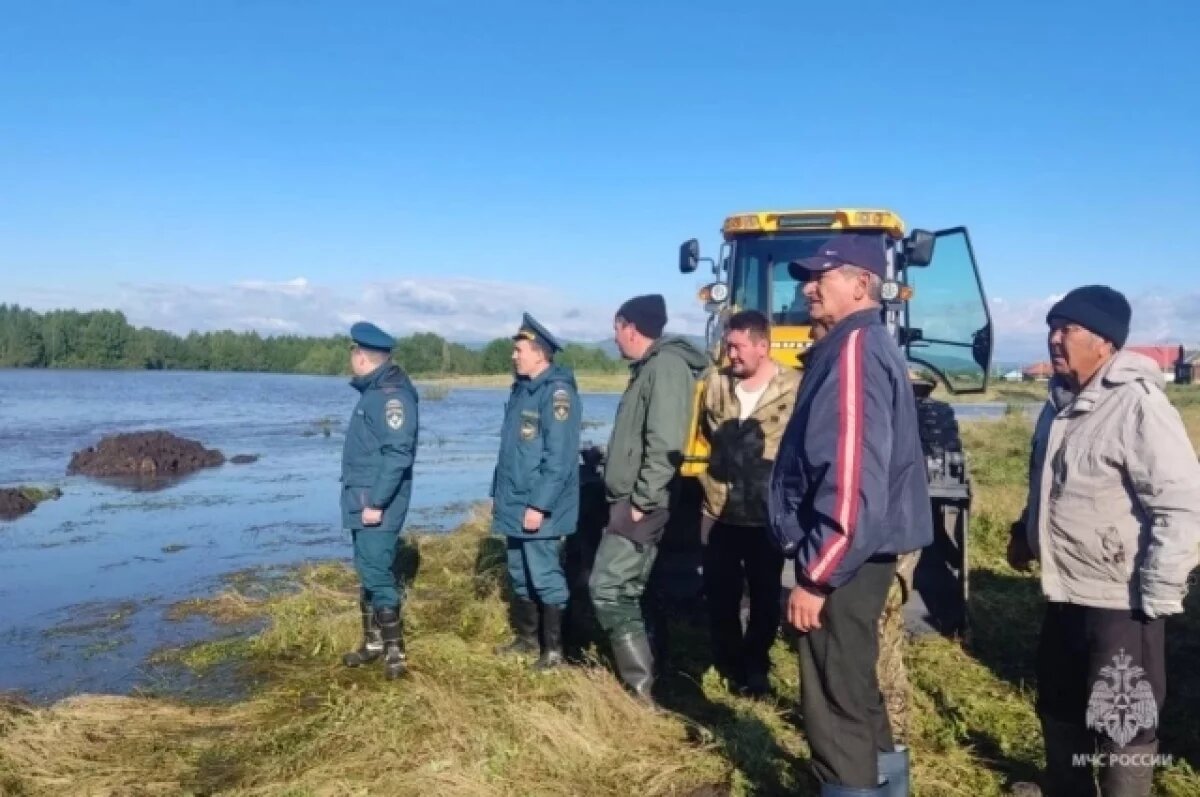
<point x="13" y="504"/>
<point x="149" y="455"/>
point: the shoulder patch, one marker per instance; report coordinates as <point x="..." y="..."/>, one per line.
<point x="562" y="404"/>
<point x="393" y="412"/>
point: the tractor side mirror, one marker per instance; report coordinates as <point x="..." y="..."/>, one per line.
<point x="689" y="256"/>
<point x="918" y="248"/>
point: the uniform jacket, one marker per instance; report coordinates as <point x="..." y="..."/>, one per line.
<point x="380" y="448"/>
<point x="743" y="452"/>
<point x="850" y="479"/>
<point x="1113" y="511"/>
<point x="538" y="465"/>
<point x="646" y="446"/>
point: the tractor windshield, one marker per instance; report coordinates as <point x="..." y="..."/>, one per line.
<point x="759" y="278"/>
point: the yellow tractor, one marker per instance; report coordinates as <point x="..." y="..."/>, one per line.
<point x="935" y="306"/>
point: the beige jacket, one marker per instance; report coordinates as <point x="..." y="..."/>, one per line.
<point x="1113" y="510"/>
<point x="739" y="467"/>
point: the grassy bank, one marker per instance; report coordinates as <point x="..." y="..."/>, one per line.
<point x="465" y="723"/>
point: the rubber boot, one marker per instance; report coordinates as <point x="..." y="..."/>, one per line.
<point x="838" y="790"/>
<point x="1132" y="774"/>
<point x="635" y="663"/>
<point x="372" y="642"/>
<point x="552" y="640"/>
<point x="894" y="767"/>
<point x="523" y="614"/>
<point x="1064" y="741"/>
<point x="395" y="663"/>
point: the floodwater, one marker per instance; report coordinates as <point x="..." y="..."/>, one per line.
<point x="86" y="580"/>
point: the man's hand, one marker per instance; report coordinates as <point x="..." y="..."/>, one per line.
<point x="1020" y="555"/>
<point x="533" y="520"/>
<point x="372" y="517"/>
<point x="636" y="514"/>
<point x="804" y="609"/>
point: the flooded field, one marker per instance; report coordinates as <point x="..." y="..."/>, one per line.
<point x="88" y="581"/>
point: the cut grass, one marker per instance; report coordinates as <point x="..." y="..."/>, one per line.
<point x="467" y="723"/>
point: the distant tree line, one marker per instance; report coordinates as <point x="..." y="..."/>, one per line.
<point x="105" y="339"/>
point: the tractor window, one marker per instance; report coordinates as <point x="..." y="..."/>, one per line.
<point x="760" y="279"/>
<point x="948" y="315"/>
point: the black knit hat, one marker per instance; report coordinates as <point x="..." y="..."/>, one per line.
<point x="648" y="314"/>
<point x="1097" y="308"/>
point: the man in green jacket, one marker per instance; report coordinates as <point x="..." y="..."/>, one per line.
<point x="640" y="475"/>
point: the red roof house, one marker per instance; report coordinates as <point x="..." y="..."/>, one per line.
<point x="1164" y="356"/>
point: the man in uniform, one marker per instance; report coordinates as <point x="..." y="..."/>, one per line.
<point x="848" y="496"/>
<point x="377" y="466"/>
<point x="640" y="477"/>
<point x="535" y="490"/>
<point x="744" y="409"/>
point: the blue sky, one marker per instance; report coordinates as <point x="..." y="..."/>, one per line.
<point x="293" y="166"/>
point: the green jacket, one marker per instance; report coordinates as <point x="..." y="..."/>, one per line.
<point x="646" y="447"/>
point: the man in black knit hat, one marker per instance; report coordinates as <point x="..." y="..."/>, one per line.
<point x="640" y="475"/>
<point x="1113" y="516"/>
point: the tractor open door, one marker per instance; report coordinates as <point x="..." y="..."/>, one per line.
<point x="947" y="332"/>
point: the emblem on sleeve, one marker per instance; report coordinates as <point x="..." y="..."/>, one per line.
<point x="562" y="404"/>
<point x="393" y="412"/>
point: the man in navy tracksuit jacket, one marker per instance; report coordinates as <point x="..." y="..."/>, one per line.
<point x="848" y="495"/>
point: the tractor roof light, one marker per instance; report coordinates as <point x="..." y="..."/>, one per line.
<point x="746" y="222"/>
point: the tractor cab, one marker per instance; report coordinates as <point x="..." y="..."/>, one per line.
<point x="933" y="298"/>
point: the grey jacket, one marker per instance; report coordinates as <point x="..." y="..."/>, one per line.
<point x="1113" y="512"/>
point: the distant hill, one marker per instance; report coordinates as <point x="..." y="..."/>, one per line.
<point x="609" y="346"/>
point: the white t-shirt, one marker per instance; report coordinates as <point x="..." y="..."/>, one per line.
<point x="748" y="399"/>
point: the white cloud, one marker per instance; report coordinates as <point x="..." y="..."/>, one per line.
<point x="1158" y="318"/>
<point x="462" y="308"/>
<point x="458" y="308"/>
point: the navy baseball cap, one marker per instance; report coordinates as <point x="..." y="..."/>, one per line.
<point x="864" y="251"/>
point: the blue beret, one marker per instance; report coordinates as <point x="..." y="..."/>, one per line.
<point x="532" y="330"/>
<point x="370" y="336"/>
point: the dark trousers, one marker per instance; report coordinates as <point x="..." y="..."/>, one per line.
<point x="621" y="573"/>
<point x="374" y="561"/>
<point x="845" y="718"/>
<point x="535" y="570"/>
<point x="736" y="559"/>
<point x="1101" y="686"/>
